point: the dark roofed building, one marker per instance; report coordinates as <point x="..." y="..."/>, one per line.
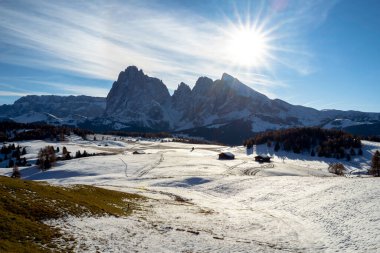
<point x="226" y="156"/>
<point x="262" y="158"/>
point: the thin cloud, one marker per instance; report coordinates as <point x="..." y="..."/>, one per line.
<point x="88" y="41"/>
<point x="5" y="93"/>
<point x="69" y="89"/>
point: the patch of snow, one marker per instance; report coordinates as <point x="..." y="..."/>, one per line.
<point x="198" y="203"/>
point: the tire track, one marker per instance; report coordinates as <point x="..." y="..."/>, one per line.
<point x="150" y="167"/>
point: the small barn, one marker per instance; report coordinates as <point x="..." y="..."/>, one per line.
<point x="138" y="152"/>
<point x="262" y="158"/>
<point x="226" y="156"/>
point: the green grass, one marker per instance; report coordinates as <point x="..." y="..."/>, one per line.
<point x="25" y="204"/>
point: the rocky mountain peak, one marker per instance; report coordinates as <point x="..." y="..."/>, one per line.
<point x="182" y="89"/>
<point x="227" y="78"/>
<point x="181" y="97"/>
<point x="138" y="98"/>
<point x="202" y="85"/>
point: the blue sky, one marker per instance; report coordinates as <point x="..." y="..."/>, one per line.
<point x="319" y="53"/>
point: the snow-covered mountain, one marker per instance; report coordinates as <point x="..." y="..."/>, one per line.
<point x="225" y="109"/>
<point x="213" y="106"/>
<point x="139" y="100"/>
<point x="54" y="109"/>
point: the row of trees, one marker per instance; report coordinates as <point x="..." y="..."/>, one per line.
<point x="13" y="154"/>
<point x="12" y="131"/>
<point x="313" y="140"/>
<point x="147" y="135"/>
<point x="48" y="155"/>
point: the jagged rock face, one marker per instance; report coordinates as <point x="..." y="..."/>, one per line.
<point x="137" y="101"/>
<point x="141" y="100"/>
<point x="138" y="98"/>
<point x="181" y="99"/>
<point x="60" y="106"/>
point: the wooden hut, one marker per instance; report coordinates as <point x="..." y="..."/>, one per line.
<point x="226" y="156"/>
<point x="262" y="158"/>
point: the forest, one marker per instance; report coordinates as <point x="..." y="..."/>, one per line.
<point x="313" y="140"/>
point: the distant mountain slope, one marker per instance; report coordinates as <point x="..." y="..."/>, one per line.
<point x="54" y="109"/>
<point x="210" y="109"/>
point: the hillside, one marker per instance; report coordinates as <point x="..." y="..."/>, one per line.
<point x="198" y="203"/>
<point x="26" y="205"/>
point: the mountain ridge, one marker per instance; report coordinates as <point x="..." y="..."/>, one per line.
<point x="137" y="101"/>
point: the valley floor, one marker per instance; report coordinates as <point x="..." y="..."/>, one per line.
<point x="198" y="203"/>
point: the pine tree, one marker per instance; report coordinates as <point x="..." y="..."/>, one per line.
<point x="46" y="157"/>
<point x="312" y="152"/>
<point x="360" y="152"/>
<point x="277" y="147"/>
<point x="64" y="151"/>
<point x="375" y="165"/>
<point x="11" y="163"/>
<point x="16" y="172"/>
<point x="78" y="154"/>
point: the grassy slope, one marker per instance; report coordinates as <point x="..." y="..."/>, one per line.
<point x="24" y="204"/>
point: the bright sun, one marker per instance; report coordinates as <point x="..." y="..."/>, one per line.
<point x="247" y="47"/>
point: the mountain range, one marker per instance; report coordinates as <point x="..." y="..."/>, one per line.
<point x="224" y="110"/>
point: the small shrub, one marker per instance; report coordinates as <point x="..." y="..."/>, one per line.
<point x="337" y="169"/>
<point x="16" y="172"/>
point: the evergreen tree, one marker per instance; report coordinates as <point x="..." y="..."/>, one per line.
<point x="78" y="154"/>
<point x="67" y="156"/>
<point x="312" y="152"/>
<point x="16" y="172"/>
<point x="360" y="152"/>
<point x="23" y="151"/>
<point x="64" y="151"/>
<point x="375" y="165"/>
<point x="46" y="157"/>
<point x="277" y="147"/>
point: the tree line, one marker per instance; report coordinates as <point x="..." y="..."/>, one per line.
<point x="13" y="131"/>
<point x="328" y="143"/>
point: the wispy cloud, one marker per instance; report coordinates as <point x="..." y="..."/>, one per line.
<point x="5" y="93"/>
<point x="78" y="89"/>
<point x="81" y="38"/>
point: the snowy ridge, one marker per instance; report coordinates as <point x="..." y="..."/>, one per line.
<point x="139" y="102"/>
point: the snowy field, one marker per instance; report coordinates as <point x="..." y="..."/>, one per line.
<point x="197" y="203"/>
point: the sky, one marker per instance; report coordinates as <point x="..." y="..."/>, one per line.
<point x="323" y="54"/>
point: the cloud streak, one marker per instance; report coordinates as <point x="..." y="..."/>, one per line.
<point x="88" y="41"/>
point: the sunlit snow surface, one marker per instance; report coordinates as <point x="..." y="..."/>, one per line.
<point x="198" y="203"/>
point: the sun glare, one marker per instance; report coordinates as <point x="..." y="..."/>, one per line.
<point x="247" y="47"/>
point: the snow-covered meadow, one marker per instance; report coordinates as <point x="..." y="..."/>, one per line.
<point x="197" y="203"/>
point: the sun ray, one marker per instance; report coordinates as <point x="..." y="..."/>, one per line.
<point x="247" y="46"/>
